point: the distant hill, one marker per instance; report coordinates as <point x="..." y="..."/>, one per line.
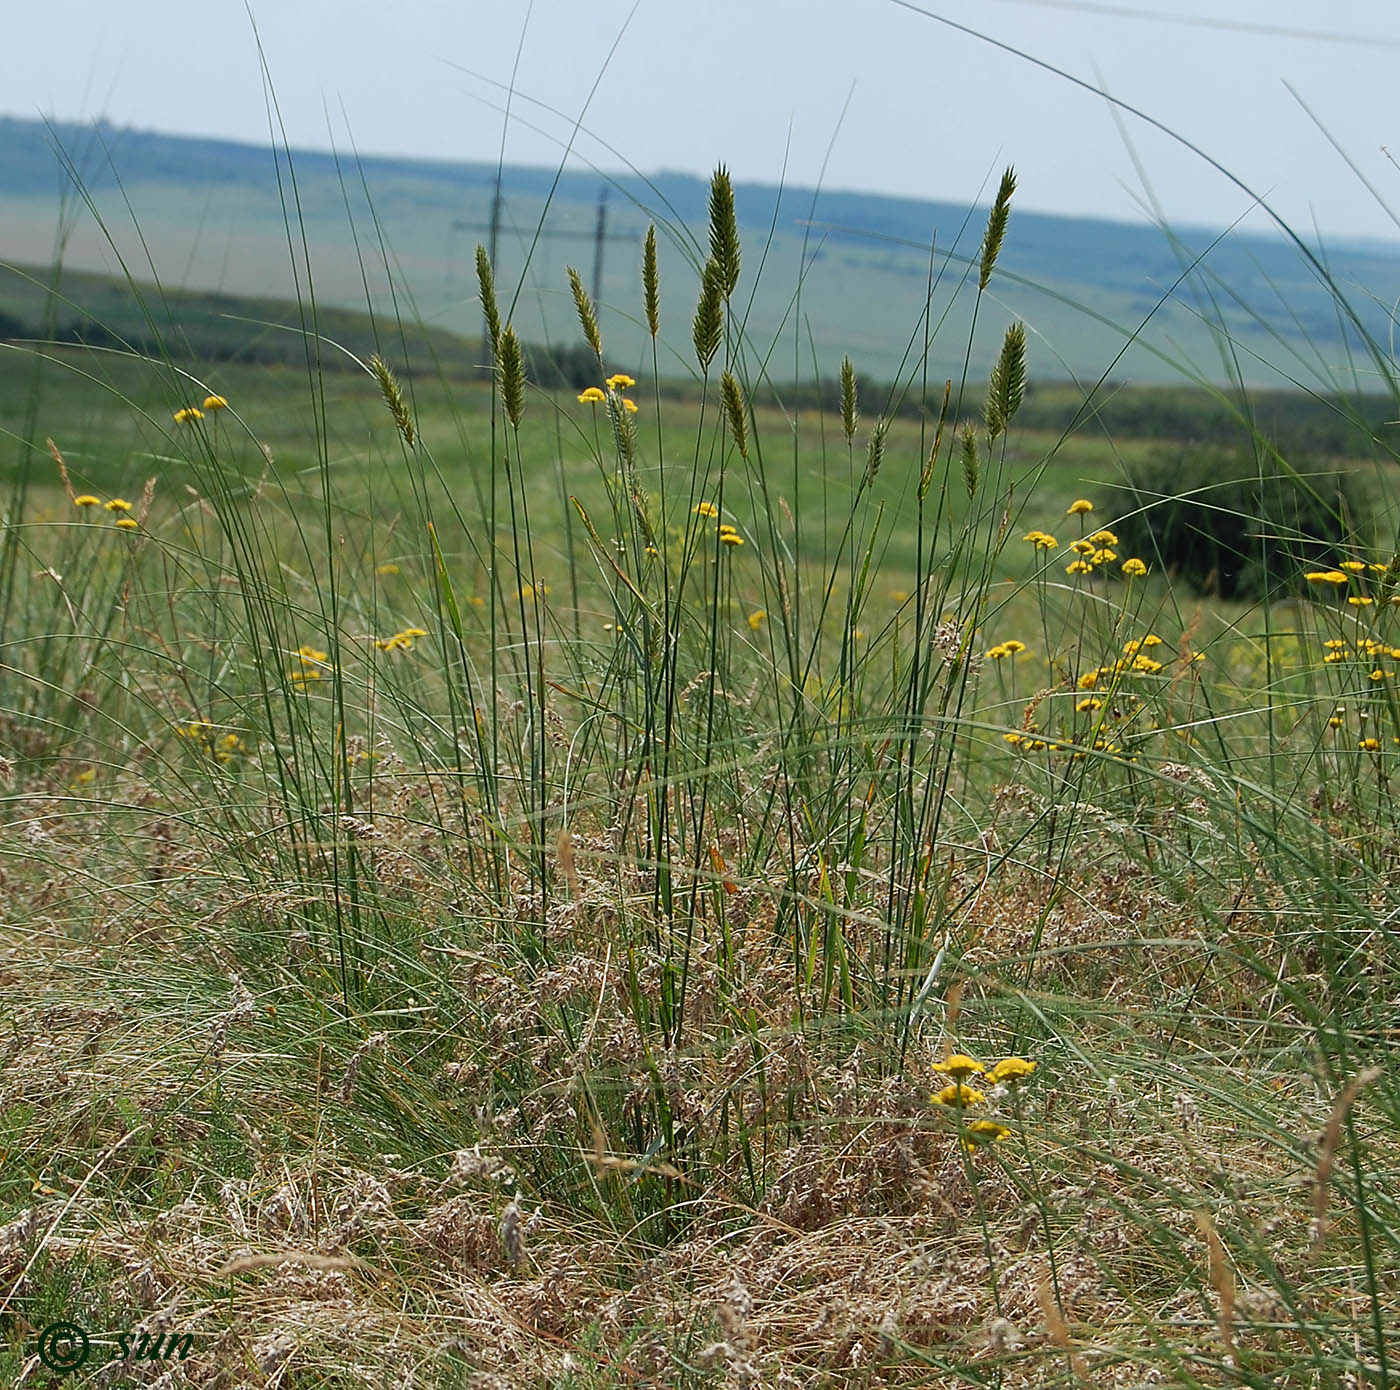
<point x="212" y="216"/>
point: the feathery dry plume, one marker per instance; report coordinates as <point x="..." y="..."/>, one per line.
<point x="486" y="281"/>
<point x="62" y="468"/>
<point x="971" y="469"/>
<point x="512" y="374"/>
<point x="850" y="412"/>
<point x="393" y="395"/>
<point x="875" y="453"/>
<point x="1222" y="1279"/>
<point x="996" y="227"/>
<point x="708" y="328"/>
<point x="651" y="282"/>
<point x="1007" y="387"/>
<point x="587" y="316"/>
<point x="926" y="480"/>
<point x="724" y="230"/>
<point x="734" y="410"/>
<point x="1058" y="1329"/>
<point x="1327" y="1150"/>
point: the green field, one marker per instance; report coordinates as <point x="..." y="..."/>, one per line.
<point x="504" y="889"/>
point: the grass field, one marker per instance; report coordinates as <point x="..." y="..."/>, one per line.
<point x="499" y="888"/>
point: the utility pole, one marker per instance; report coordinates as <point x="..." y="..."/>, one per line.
<point x="599" y="234"/>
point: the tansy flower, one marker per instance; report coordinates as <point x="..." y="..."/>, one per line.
<point x="1151" y="640"/>
<point x="86" y="500"/>
<point x="1370" y="745"/>
<point x="1104" y="538"/>
<point x="1085" y="705"/>
<point x="725" y="529"/>
<point x="652" y="550"/>
<point x="1082" y="547"/>
<point x="1337" y="720"/>
<point x="958" y="1066"/>
<point x="1079" y="506"/>
<point x="1041" y="540"/>
<point x="1360" y="601"/>
<point x="1013" y="646"/>
<point x="629" y="405"/>
<point x="756" y="618"/>
<point x="1355" y="566"/>
<point x="1013" y="738"/>
<point x="592" y="395"/>
<point x="386" y="569"/>
<point x="618" y="381"/>
<point x="1088" y="680"/>
<point x="188" y="413"/>
<point x="312" y="654"/>
<point x="996" y="653"/>
<point x="118" y="504"/>
<point x="127" y="523"/>
<point x="1325" y="577"/>
<point x="729" y="538"/>
<point x="959" y="1095"/>
<point x="1134" y="568"/>
<point x="983" y="1132"/>
<point x="1079" y="567"/>
<point x="1102" y="557"/>
<point x="1010" y="1070"/>
<point x="705" y="509"/>
<point x="215" y="403"/>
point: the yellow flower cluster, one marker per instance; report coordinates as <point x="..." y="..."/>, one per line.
<point x="1005" y="649"/>
<point x="400" y="641"/>
<point x="223" y="748"/>
<point x="957" y="1095"/>
<point x="312" y="662"/>
<point x="619" y="381"/>
<point x="118" y="506"/>
<point x="1042" y="540"/>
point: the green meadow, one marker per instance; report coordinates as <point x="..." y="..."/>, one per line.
<point x="695" y="877"/>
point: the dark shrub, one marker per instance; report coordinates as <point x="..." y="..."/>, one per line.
<point x="1229" y="524"/>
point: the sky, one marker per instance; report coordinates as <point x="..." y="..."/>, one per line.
<point x="865" y="95"/>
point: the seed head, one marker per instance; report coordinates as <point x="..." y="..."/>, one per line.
<point x="651" y="283"/>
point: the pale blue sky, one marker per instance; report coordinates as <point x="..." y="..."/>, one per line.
<point x="929" y="111"/>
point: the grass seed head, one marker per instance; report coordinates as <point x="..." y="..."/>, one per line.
<point x="486" y="282"/>
<point x="651" y="283"/>
<point x="708" y="327"/>
<point x="587" y="315"/>
<point x="393" y="395"/>
<point x="996" y="227"/>
<point x="724" y="230"/>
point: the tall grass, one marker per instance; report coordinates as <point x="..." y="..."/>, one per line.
<point x="420" y="966"/>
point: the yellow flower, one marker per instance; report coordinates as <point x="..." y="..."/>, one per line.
<point x="1370" y="745"/>
<point x="705" y="509"/>
<point x="756" y="618"/>
<point x="1079" y="567"/>
<point x="1325" y="577"/>
<point x="1010" y="1070"/>
<point x="188" y="413"/>
<point x="729" y="538"/>
<point x="1134" y="568"/>
<point x="1151" y="640"/>
<point x="592" y="396"/>
<point x="652" y="550"/>
<point x="215" y="403"/>
<point x="1079" y="506"/>
<point x="86" y="500"/>
<point x="1014" y="647"/>
<point x="1102" y="557"/>
<point x="1088" y="680"/>
<point x="958" y="1066"/>
<point x="959" y="1095"/>
<point x="1360" y="601"/>
<point x="386" y="569"/>
<point x="996" y="653"/>
<point x="1082" y="547"/>
<point x="726" y="529"/>
<point x="618" y="381"/>
<point x="126" y="523"/>
<point x="312" y="654"/>
<point x="1355" y="566"/>
<point x="1041" y="540"/>
<point x="629" y="405"/>
<point x="1337" y="720"/>
<point x="118" y="504"/>
<point x="983" y="1132"/>
<point x="1012" y="738"/>
<point x="1087" y="704"/>
<point x="1104" y="538"/>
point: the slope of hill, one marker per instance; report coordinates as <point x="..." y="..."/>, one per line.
<point x="215" y="215"/>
